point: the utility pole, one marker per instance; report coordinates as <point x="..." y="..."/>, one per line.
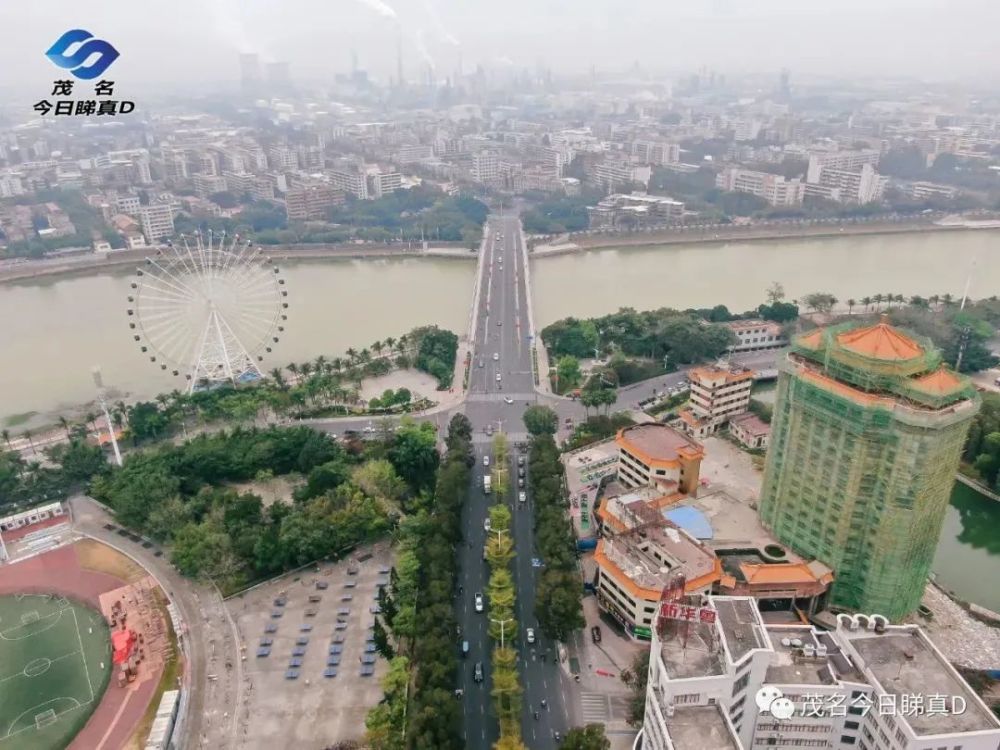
<point x="99" y="382"/>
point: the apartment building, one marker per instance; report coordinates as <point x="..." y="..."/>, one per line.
<point x="923" y="190"/>
<point x="867" y="685"/>
<point x="311" y="201"/>
<point x="849" y="161"/>
<point x="415" y="153"/>
<point x="127" y="204"/>
<point x="773" y="188"/>
<point x="756" y="334"/>
<point x="205" y="185"/>
<point x="717" y="393"/>
<point x="656" y="455"/>
<point x="612" y="175"/>
<point x="845" y="186"/>
<point x="486" y="167"/>
<point x="384" y="183"/>
<point x="10" y="185"/>
<point x="656" y="153"/>
<point x="157" y="221"/>
<point x="282" y="158"/>
<point x="634" y="210"/>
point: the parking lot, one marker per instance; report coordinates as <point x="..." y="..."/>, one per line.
<point x="311" y="665"/>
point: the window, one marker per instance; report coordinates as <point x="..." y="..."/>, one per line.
<point x="847" y="739"/>
<point x="851" y="725"/>
<point x="740" y="684"/>
<point x="687" y="698"/>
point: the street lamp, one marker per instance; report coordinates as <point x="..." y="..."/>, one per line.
<point x="501" y="624"/>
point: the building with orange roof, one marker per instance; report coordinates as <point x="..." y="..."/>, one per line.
<point x="717" y="393"/>
<point x="866" y="437"/>
<point x="655" y="454"/>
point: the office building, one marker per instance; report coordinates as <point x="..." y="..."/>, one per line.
<point x="773" y="188"/>
<point x="866" y="437"/>
<point x="717" y="393"/>
<point x="157" y="221"/>
<point x="311" y="202"/>
<point x="752" y="335"/>
<point x="867" y="685"/>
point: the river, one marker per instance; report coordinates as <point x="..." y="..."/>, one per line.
<point x="968" y="554"/>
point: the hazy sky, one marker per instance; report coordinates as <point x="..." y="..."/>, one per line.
<point x="170" y="41"/>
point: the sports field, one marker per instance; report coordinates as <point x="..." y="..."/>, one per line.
<point x="55" y="662"/>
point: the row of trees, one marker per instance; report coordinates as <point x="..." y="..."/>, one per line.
<point x="437" y="349"/>
<point x="68" y="466"/>
<point x="420" y="711"/>
<point x="558" y="601"/>
<point x="503" y="628"/>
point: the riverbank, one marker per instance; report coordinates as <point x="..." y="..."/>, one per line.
<point x="105" y="261"/>
<point x="980" y="488"/>
<point x="747" y="233"/>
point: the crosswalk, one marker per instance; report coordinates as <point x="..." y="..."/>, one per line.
<point x="512" y="437"/>
<point x="596" y="708"/>
<point x="500" y="396"/>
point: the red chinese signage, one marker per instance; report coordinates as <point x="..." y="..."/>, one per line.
<point x="686" y="613"/>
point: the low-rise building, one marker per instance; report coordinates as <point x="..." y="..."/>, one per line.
<point x="756" y="334"/>
<point x="750" y="430"/>
<point x="613" y="175"/>
<point x="775" y="189"/>
<point x="867" y="685"/>
<point x="634" y="210"/>
<point x="717" y="393"/>
<point x="311" y="201"/>
<point x="157" y="220"/>
<point x="657" y="455"/>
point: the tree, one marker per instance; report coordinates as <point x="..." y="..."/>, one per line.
<point x="381" y="637"/>
<point x="867" y="302"/>
<point x="414" y="453"/>
<point x="568" y="371"/>
<point x="590" y="737"/>
<point x="775" y="293"/>
<point x="636" y="677"/>
<point x="850" y="306"/>
<point x="821" y="302"/>
<point x="541" y="420"/>
<point x="779" y="312"/>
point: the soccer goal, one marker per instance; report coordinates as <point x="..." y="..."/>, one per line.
<point x="45" y="718"/>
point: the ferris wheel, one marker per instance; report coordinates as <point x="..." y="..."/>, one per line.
<point x="208" y="310"/>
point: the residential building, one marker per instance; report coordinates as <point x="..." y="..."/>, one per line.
<point x="157" y="220"/>
<point x="850" y="161"/>
<point x="351" y="181"/>
<point x="866" y="437"/>
<point x="750" y="430"/>
<point x="755" y="334"/>
<point x="613" y="175"/>
<point x="863" y="186"/>
<point x="867" y="685"/>
<point x="411" y="154"/>
<point x="10" y="185"/>
<point x="127" y="204"/>
<point x="717" y="393"/>
<point x="656" y="455"/>
<point x="773" y="188"/>
<point x="280" y="158"/>
<point x="384" y="183"/>
<point x="205" y="185"/>
<point x="311" y="202"/>
<point x="485" y="167"/>
<point x="634" y="210"/>
<point x="656" y="153"/>
<point x="919" y="191"/>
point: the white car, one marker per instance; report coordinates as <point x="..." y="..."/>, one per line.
<point x="498" y="377"/>
<point x="522" y="497"/>
<point x="486" y="460"/>
<point x="530" y="634"/>
<point x="508" y="400"/>
<point x="487" y="525"/>
<point x="496" y="356"/>
<point x="479" y="602"/>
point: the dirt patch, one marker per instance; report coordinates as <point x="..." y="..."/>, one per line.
<point x="93" y="555"/>
<point x="270" y="491"/>
<point x="419" y="384"/>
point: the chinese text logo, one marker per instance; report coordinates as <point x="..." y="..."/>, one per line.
<point x="106" y="54"/>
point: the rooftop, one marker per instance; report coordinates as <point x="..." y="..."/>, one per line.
<point x="741" y="625"/>
<point x="659" y="442"/>
<point x="880" y="341"/>
<point x="904" y="662"/>
<point x="788" y="666"/>
<point x="697" y="656"/>
<point x="751" y="423"/>
<point x="700" y="728"/>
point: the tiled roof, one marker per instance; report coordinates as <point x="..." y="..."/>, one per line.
<point x="880" y="341"/>
<point x="941" y="382"/>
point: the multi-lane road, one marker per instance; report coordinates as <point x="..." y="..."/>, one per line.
<point x="501" y="386"/>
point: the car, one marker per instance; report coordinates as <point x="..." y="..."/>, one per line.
<point x="557" y="737"/>
<point x="465" y="649"/>
<point x="477" y="672"/>
<point x="522" y="497"/>
<point x="496" y="356"/>
<point x="520" y="482"/>
<point x="499" y="322"/>
<point x="520" y="471"/>
<point x="595" y="634"/>
<point x="486" y="524"/>
<point x="530" y="635"/>
<point x="498" y="377"/>
<point x="479" y="602"/>
<point x="481" y="363"/>
<point x="508" y="400"/>
<point x="520" y="460"/>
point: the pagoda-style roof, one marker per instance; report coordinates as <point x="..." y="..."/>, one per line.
<point x="941" y="382"/>
<point x="880" y="341"/>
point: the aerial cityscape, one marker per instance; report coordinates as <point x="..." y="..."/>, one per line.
<point x="418" y="375"/>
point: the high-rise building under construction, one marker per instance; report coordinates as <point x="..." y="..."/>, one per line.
<point x="867" y="431"/>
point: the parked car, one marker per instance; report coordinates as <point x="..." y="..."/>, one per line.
<point x="465" y="649"/>
<point x="487" y="525"/>
<point x="595" y="634"/>
<point x="520" y="460"/>
<point x="486" y="460"/>
<point x="479" y="602"/>
<point x="520" y="482"/>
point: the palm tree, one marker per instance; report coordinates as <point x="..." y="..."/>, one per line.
<point x="294" y="369"/>
<point x="351" y="353"/>
<point x="122" y="409"/>
<point x="64" y="423"/>
<point x="91" y="418"/>
<point x="404" y="340"/>
<point x="889" y="299"/>
<point x="321" y="364"/>
<point x="27" y="436"/>
<point x="867" y="302"/>
<point x="934" y="299"/>
<point x="377" y="346"/>
<point x="337" y="364"/>
<point x="900" y="299"/>
<point x="306" y="369"/>
<point x="878" y="301"/>
<point x="5" y="434"/>
<point x="390" y="342"/>
<point x="279" y="378"/>
<point x="947" y="299"/>
<point x="364" y="355"/>
<point x="850" y="306"/>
